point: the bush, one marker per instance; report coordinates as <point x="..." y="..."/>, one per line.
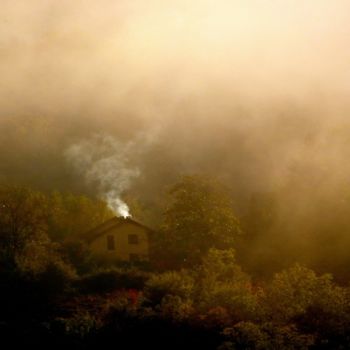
<point x="108" y="280"/>
<point x="78" y="326"/>
<point x="237" y="299"/>
<point x="293" y="290"/>
<point x="222" y="283"/>
<point x="248" y="335"/>
<point x="57" y="278"/>
<point x="174" y="283"/>
<point x="174" y="307"/>
<point x="216" y="318"/>
<point x="78" y="254"/>
<point x="328" y="317"/>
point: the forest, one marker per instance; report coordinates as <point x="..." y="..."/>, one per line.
<point x="198" y="290"/>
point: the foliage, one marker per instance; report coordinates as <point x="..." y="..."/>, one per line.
<point x="251" y="336"/>
<point x="220" y="265"/>
<point x="22" y="220"/>
<point x="78" y="255"/>
<point x="70" y="215"/>
<point x="293" y="290"/>
<point x="216" y="318"/>
<point x="199" y="216"/>
<point x="318" y="306"/>
<point x="24" y="238"/>
<point x="80" y="325"/>
<point x="56" y="278"/>
<point x="328" y="317"/>
<point x="107" y="280"/>
<point x="176" y="308"/>
<point x="175" y="283"/>
<point x="212" y="302"/>
<point x="222" y="283"/>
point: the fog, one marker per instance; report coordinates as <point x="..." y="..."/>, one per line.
<point x="253" y="92"/>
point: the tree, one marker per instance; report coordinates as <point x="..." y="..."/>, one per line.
<point x="222" y="284"/>
<point x="294" y="290"/>
<point x="262" y="244"/>
<point x="72" y="215"/>
<point x="262" y="336"/>
<point x="29" y="260"/>
<point x="199" y="216"/>
<point x="23" y="214"/>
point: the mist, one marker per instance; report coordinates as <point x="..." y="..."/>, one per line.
<point x="252" y="92"/>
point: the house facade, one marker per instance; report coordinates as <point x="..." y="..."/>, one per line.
<point x="120" y="239"/>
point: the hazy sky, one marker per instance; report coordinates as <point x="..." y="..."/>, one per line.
<point x="242" y="87"/>
<point x="150" y="58"/>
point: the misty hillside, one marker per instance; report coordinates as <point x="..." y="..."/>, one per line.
<point x="223" y="126"/>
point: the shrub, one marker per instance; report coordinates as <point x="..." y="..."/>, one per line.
<point x="328" y="316"/>
<point x="78" y="326"/>
<point x="174" y="283"/>
<point x="293" y="290"/>
<point x="237" y="299"/>
<point x="56" y="278"/>
<point x="251" y="336"/>
<point x="222" y="283"/>
<point x="78" y="254"/>
<point x="174" y="307"/>
<point x="216" y="318"/>
<point x="108" y="280"/>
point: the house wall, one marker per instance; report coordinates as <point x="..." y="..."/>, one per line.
<point x="123" y="248"/>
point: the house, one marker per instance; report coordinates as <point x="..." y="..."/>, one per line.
<point x="119" y="239"/>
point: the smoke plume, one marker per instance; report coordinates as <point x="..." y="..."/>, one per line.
<point x="106" y="164"/>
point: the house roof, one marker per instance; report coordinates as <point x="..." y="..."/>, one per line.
<point x="101" y="229"/>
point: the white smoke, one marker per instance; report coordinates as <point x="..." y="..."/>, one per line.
<point x="105" y="162"/>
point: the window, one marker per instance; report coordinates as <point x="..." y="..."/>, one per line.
<point x="110" y="243"/>
<point x="134" y="257"/>
<point x="133" y="239"/>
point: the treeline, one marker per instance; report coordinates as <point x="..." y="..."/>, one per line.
<point x="195" y="293"/>
<point x="36" y="226"/>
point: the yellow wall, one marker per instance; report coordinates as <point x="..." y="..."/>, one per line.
<point x="122" y="246"/>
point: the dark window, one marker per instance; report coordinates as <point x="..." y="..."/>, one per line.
<point x="110" y="243"/>
<point x="134" y="257"/>
<point x="133" y="239"/>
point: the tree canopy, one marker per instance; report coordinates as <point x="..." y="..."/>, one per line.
<point x="199" y="216"/>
